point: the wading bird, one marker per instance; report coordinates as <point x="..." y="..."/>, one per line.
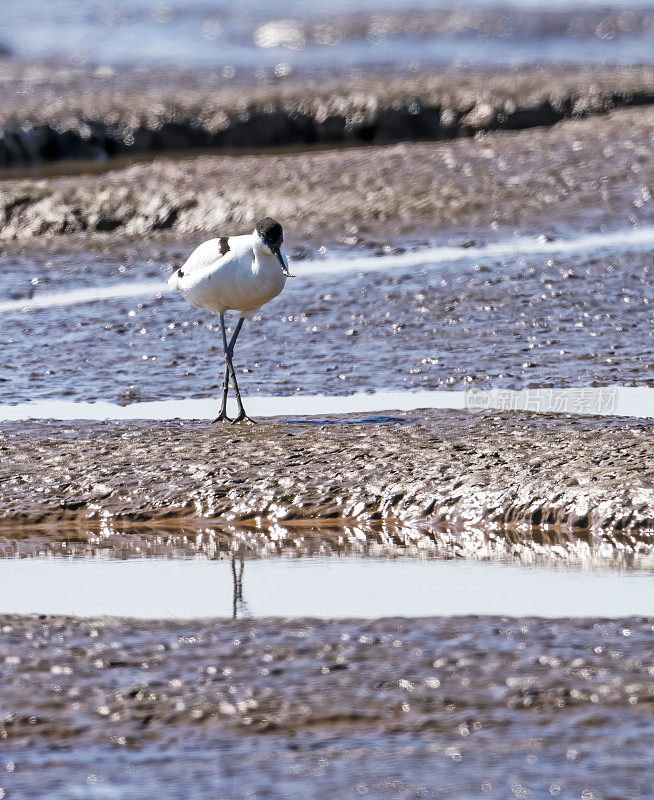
<point x="234" y="273"/>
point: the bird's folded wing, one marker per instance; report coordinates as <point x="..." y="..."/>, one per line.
<point x="211" y="254"/>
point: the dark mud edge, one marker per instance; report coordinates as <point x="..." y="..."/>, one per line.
<point x="588" y="480"/>
<point x="90" y="119"/>
<point x="583" y="173"/>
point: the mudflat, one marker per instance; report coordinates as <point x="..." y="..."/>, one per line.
<point x="112" y="174"/>
<point x="64" y="112"/>
<point x="579" y="479"/>
<point x="439" y="707"/>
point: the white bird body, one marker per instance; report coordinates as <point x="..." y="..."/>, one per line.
<point x="234" y="273"/>
<point x="241" y="278"/>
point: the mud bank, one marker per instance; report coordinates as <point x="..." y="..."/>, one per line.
<point x="583" y="476"/>
<point x="589" y="172"/>
<point x="463" y="706"/>
<point x="50" y="114"/>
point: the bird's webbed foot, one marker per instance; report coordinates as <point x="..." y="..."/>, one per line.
<point x="243" y="419"/>
<point x="222" y="417"/>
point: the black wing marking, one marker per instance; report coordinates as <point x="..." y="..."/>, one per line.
<point x="223" y="246"/>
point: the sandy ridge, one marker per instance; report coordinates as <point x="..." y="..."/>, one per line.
<point x="442" y="468"/>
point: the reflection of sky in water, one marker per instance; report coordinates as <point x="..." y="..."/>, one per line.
<point x="618" y="401"/>
<point x="328" y="587"/>
<point x="210" y="34"/>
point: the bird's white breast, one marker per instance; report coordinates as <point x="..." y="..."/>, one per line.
<point x="243" y="279"/>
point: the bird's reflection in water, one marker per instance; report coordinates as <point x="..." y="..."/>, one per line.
<point x="237" y="597"/>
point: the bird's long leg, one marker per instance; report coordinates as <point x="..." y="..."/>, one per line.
<point x="223" y="404"/>
<point x="242" y="416"/>
<point x="222" y="414"/>
<point x="229" y="348"/>
<point x="237" y="584"/>
<point x="234" y="589"/>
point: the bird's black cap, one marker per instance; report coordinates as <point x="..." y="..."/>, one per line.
<point x="270" y="231"/>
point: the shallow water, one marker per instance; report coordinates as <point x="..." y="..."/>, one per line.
<point x="325" y="588"/>
<point x="568" y="314"/>
<point x="22" y="287"/>
<point x="295" y="35"/>
<point x="609" y="401"/>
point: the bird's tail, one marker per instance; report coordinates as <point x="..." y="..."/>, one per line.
<point x="174" y="281"/>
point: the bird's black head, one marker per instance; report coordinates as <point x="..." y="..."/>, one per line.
<point x="270" y="231"/>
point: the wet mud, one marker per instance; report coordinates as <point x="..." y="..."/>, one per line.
<point x="457" y="707"/>
<point x="113" y="174"/>
<point x="583" y="479"/>
<point x="49" y="114"/>
<point x="583" y="173"/>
